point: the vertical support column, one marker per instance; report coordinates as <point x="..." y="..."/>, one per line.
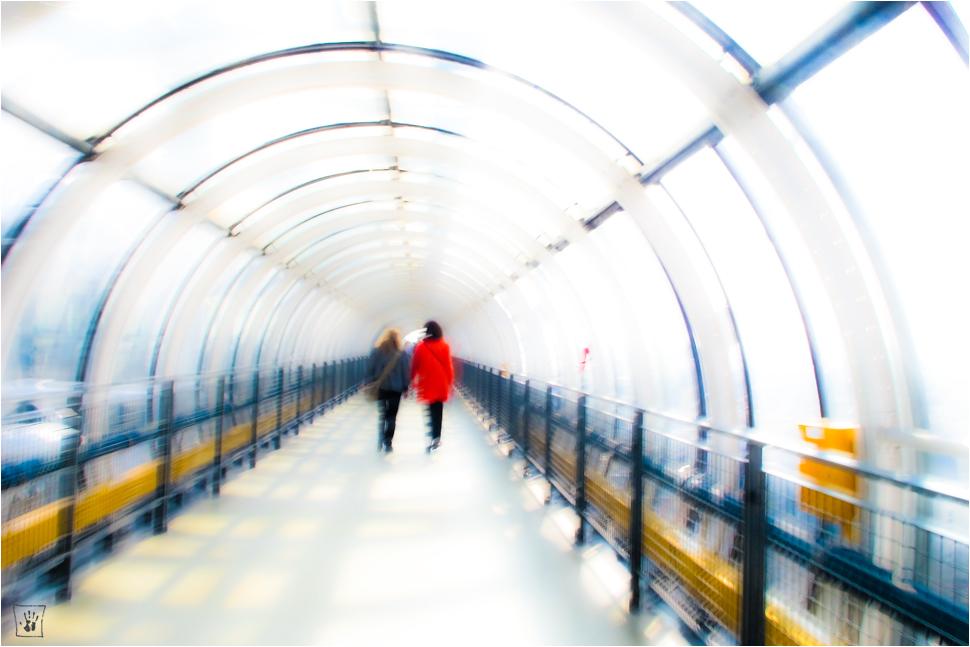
<point x="254" y="436"/>
<point x="220" y="416"/>
<point x="755" y="544"/>
<point x="581" y="468"/>
<point x="526" y="433"/>
<point x="299" y="393"/>
<point x="67" y="490"/>
<point x="165" y="427"/>
<point x="547" y="462"/>
<point x="636" y="511"/>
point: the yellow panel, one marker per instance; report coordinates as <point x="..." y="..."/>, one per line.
<point x="96" y="504"/>
<point x="30" y="533"/>
<point x="782" y="630"/>
<point x="829" y="438"/>
<point x="707" y="577"/>
<point x="187" y="462"/>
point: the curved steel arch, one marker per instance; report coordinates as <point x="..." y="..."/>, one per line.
<point x="170" y="236"/>
<point x="443" y="223"/>
<point x="332" y="262"/>
<point x="371" y="46"/>
<point x="869" y="334"/>
<point x="119" y="157"/>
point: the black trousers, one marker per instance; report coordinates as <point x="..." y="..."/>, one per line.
<point x="435" y="410"/>
<point x="388" y="403"/>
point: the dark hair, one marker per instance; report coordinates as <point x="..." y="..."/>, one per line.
<point x="433" y="330"/>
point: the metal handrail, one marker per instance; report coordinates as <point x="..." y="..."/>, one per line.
<point x="831" y="459"/>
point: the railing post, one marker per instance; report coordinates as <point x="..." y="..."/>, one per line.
<point x="299" y="392"/>
<point x="217" y="453"/>
<point x="755" y="544"/>
<point x="491" y="397"/>
<point x="547" y="459"/>
<point x="255" y="426"/>
<point x="526" y="434"/>
<point x="67" y="489"/>
<point x="581" y="468"/>
<point x="511" y="420"/>
<point x="636" y="511"/>
<point x="280" y="384"/>
<point x="339" y="381"/>
<point x="313" y="391"/>
<point x="165" y="427"/>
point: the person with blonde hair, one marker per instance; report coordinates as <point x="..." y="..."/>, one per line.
<point x="393" y="369"/>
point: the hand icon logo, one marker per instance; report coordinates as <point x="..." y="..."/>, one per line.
<point x="29" y="620"/>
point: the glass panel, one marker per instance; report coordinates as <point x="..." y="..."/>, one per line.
<point x="251" y="204"/>
<point x="256" y="320"/>
<point x="485" y="151"/>
<point x="659" y="320"/>
<point x="783" y="389"/>
<point x="554" y="335"/>
<point x="189" y="361"/>
<point x="314" y="224"/>
<point x="137" y="345"/>
<point x="32" y="163"/>
<point x="191" y="156"/>
<point x="832" y="361"/>
<point x="577" y="329"/>
<point x="517" y="141"/>
<point x="226" y="332"/>
<point x="900" y="139"/>
<point x="505" y="303"/>
<point x="560" y="50"/>
<point x="768" y="30"/>
<point x="51" y="333"/>
<point x="712" y="292"/>
<point x="608" y="346"/>
<point x="86" y="66"/>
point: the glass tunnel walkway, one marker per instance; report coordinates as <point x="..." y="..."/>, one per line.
<point x="328" y="541"/>
<point x="701" y="266"/>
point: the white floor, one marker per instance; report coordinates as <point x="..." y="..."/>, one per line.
<point x="329" y="542"/>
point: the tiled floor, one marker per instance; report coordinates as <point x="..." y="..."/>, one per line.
<point x="329" y="542"/>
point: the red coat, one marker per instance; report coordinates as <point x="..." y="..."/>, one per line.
<point x="431" y="371"/>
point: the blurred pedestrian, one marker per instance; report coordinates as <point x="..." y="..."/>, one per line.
<point x="391" y="368"/>
<point x="433" y="376"/>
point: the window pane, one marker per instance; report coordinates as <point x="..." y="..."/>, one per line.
<point x="96" y="63"/>
<point x="191" y="156"/>
<point x="670" y="370"/>
<point x="32" y="163"/>
<point x="783" y="389"/>
<point x="189" y="361"/>
<point x="144" y="325"/>
<point x="560" y="50"/>
<point x="54" y="325"/>
<point x="901" y="139"/>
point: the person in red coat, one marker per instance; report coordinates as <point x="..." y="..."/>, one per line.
<point x="432" y="376"/>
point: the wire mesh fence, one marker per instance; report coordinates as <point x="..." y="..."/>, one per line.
<point x="748" y="543"/>
<point x="79" y="461"/>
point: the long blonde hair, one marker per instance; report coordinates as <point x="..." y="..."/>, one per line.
<point x="389" y="341"/>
